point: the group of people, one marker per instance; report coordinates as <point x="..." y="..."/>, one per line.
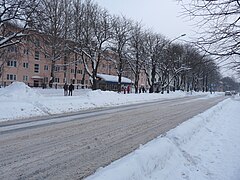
<point x="68" y="89"/>
<point x="126" y="89"/>
<point x="142" y="89"/>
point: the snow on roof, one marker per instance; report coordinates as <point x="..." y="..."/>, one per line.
<point x="37" y="77"/>
<point x="111" y="78"/>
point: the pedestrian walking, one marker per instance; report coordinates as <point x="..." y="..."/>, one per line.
<point x="65" y="88"/>
<point x="124" y="90"/>
<point x="71" y="88"/>
<point x="128" y="89"/>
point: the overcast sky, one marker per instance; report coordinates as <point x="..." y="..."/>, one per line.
<point x="162" y="16"/>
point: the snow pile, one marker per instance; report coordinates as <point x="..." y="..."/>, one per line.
<point x="138" y="165"/>
<point x="194" y="150"/>
<point x="17" y="101"/>
<point x="18" y="90"/>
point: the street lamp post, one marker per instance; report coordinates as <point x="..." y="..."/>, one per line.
<point x="168" y="83"/>
<point x="168" y="80"/>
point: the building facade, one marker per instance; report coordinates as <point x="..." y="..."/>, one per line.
<point x="29" y="62"/>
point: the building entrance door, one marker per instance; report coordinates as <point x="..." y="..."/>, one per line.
<point x="35" y="83"/>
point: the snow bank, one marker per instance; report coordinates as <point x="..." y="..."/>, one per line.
<point x="183" y="133"/>
<point x="140" y="164"/>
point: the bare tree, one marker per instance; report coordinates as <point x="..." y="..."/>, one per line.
<point x="219" y="22"/>
<point x="202" y="71"/>
<point x="121" y="37"/>
<point x="51" y="21"/>
<point x="14" y="26"/>
<point x="77" y="35"/>
<point x="96" y="33"/>
<point x="154" y="49"/>
<point x="14" y="19"/>
<point x="230" y="84"/>
<point x="137" y="53"/>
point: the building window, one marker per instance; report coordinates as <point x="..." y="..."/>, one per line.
<point x="86" y="81"/>
<point x="78" y="81"/>
<point x="37" y="43"/>
<point x="56" y="80"/>
<point x="25" y="78"/>
<point x="72" y="71"/>
<point x="46" y="67"/>
<point x="11" y="77"/>
<point x="12" y="63"/>
<point x="57" y="68"/>
<point x="45" y="80"/>
<point x="37" y="55"/>
<point x="26" y="51"/>
<point x="25" y="65"/>
<point x="36" y="68"/>
<point x="79" y="71"/>
<point x="12" y="49"/>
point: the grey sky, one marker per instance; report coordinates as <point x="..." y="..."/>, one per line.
<point x="162" y="16"/>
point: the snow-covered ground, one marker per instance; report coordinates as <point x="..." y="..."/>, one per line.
<point x="204" y="147"/>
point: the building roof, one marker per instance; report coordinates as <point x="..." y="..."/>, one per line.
<point x="113" y="79"/>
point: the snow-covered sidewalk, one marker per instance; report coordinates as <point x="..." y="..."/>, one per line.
<point x="204" y="148"/>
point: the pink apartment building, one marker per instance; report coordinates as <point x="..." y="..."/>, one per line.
<point x="28" y="62"/>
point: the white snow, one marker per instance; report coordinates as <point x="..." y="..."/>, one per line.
<point x="111" y="78"/>
<point x="205" y="147"/>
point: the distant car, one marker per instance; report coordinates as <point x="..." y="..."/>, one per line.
<point x="228" y="93"/>
<point x="233" y="92"/>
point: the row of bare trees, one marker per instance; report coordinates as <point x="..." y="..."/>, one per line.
<point x="83" y="28"/>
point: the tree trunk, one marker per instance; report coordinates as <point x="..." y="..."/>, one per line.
<point x="94" y="85"/>
<point x="52" y="74"/>
<point x="120" y="77"/>
<point x="152" y="78"/>
<point x="136" y="83"/>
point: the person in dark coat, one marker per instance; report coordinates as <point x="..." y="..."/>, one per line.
<point x="71" y="88"/>
<point x="128" y="89"/>
<point x="65" y="88"/>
